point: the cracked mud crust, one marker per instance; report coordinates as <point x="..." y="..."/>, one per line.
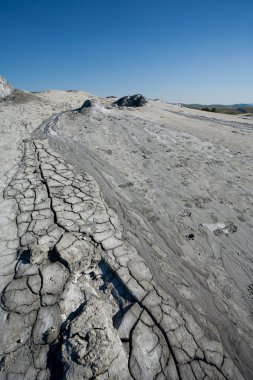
<point x="82" y="302"/>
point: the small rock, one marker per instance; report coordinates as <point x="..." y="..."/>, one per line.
<point x="230" y="228"/>
<point x="39" y="253"/>
<point x="218" y="232"/>
<point x="190" y="236"/>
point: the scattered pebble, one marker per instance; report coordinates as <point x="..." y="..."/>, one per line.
<point x="190" y="236"/>
<point x="221" y="228"/>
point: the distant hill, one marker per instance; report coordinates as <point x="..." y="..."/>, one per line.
<point x="233" y="109"/>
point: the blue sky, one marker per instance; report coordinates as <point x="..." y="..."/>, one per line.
<point x="182" y="51"/>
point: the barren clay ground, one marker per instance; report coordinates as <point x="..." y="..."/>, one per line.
<point x="126" y="241"/>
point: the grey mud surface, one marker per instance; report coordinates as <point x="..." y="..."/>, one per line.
<point x="128" y="252"/>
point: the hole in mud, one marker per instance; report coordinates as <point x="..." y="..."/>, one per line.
<point x="93" y="275"/>
<point x="2" y="363"/>
<point x="54" y="256"/>
<point x="54" y="362"/>
<point x="118" y="317"/>
<point x="25" y="256"/>
<point x="118" y="290"/>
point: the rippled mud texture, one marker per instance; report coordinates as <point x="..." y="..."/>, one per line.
<point x="75" y="279"/>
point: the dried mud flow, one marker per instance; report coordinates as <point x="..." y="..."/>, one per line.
<point x="126" y="241"/>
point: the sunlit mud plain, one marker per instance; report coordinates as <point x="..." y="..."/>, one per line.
<point x="126" y="240"/>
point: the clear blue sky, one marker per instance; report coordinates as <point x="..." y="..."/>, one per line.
<point x="183" y="51"/>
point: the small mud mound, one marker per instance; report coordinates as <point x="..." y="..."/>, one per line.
<point x="88" y="104"/>
<point x="20" y="97"/>
<point x="131" y="101"/>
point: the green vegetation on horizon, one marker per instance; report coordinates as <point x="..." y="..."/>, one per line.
<point x="234" y="109"/>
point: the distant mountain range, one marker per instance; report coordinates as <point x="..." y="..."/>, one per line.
<point x="233" y="109"/>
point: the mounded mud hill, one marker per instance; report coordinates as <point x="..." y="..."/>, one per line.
<point x="19" y="97"/>
<point x="131" y="101"/>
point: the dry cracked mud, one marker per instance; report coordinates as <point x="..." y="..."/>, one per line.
<point x="80" y="300"/>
